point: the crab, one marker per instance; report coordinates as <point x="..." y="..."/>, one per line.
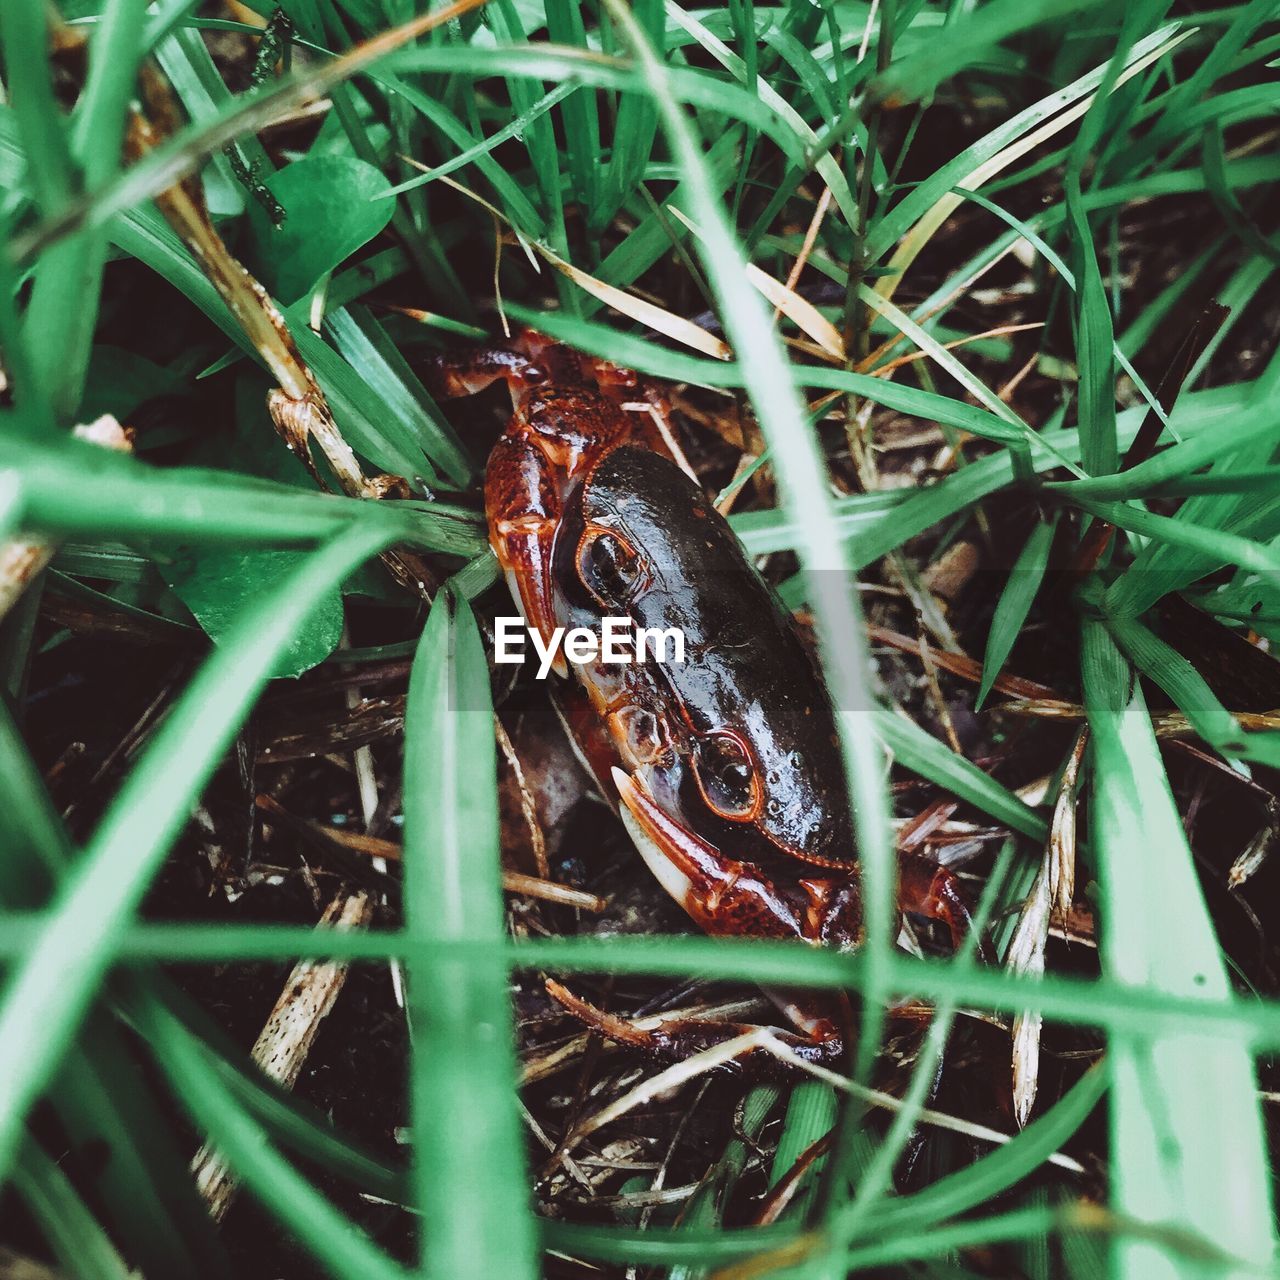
<point x="725" y="768"/>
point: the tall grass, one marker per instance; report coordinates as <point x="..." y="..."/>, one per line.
<point x="656" y="150"/>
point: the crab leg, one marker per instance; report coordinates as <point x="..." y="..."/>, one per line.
<point x="449" y="375"/>
<point x="927" y="889"/>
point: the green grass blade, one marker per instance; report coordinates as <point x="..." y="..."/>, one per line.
<point x="329" y="1236"/>
<point x="1015" y="602"/>
<point x="209" y="507"/>
<point x="24" y="33"/>
<point x="887" y="231"/>
<point x="579" y="115"/>
<point x="99" y="1095"/>
<point x="1006" y="1166"/>
<point x="1165" y="666"/>
<point x="811" y="1113"/>
<point x="1209" y="548"/>
<point x="471" y="1185"/>
<point x="636" y="126"/>
<point x="915" y="749"/>
<point x="825" y="166"/>
<point x="363" y="342"/>
<point x="706" y="1208"/>
<point x="79" y="1243"/>
<point x="803" y="481"/>
<point x="63" y="309"/>
<point x="974" y="36"/>
<point x="1175" y="1162"/>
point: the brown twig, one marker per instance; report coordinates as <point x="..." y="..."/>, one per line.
<point x="376" y="847"/>
<point x="297" y="405"/>
<point x="966" y="668"/>
<point x="285" y="1041"/>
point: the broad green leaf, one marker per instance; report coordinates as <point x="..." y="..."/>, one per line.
<point x="119" y="380"/>
<point x="333" y="206"/>
<point x="217" y="584"/>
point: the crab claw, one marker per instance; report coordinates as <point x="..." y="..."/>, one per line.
<point x="533" y="599"/>
<point x="720" y="894"/>
<point x="524" y="510"/>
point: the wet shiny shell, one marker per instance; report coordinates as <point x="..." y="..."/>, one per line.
<point x="757" y="767"/>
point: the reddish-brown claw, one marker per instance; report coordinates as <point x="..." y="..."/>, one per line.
<point x="728" y="896"/>
<point x="721" y="895"/>
<point x="524" y="511"/>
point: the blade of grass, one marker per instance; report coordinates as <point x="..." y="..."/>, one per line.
<point x="706" y="1209"/>
<point x="578" y="115"/>
<point x="1254" y="1024"/>
<point x="328" y="1235"/>
<point x="850" y="1220"/>
<point x="78" y="1242"/>
<point x="1165" y="666"/>
<point x="24" y="31"/>
<point x="803" y="481"/>
<point x="470" y="1181"/>
<point x="1015" y="602"/>
<point x="99" y="1094"/>
<point x="975" y="34"/>
<point x="635" y="127"/>
<point x="1209" y="531"/>
<point x="917" y="750"/>
<point x="63" y="310"/>
<point x="210" y="507"/>
<point x="826" y="167"/>
<point x="363" y="342"/>
<point x="914" y="220"/>
<point x="179" y="156"/>
<point x="1174" y="1161"/>
<point x="646" y="357"/>
<point x="812" y="1111"/>
<point x="1209" y="548"/>
<point x="1003" y="1168"/>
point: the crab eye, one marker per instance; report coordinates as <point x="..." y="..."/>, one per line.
<point x="726" y="776"/>
<point x="609" y="567"/>
<point x="532" y="374"/>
